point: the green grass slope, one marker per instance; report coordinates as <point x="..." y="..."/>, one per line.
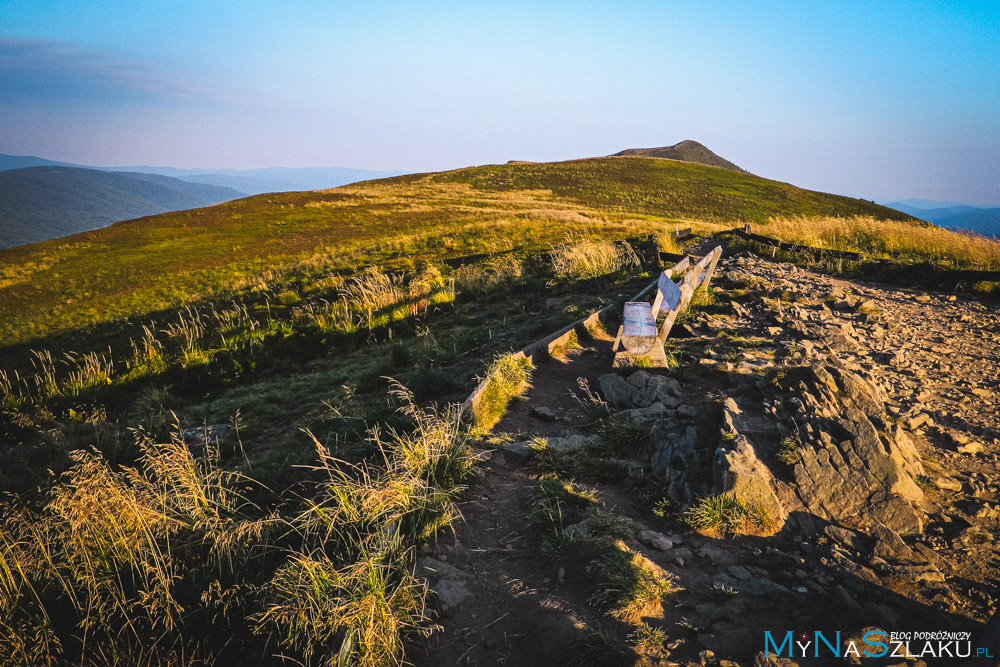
<point x="140" y="266"/>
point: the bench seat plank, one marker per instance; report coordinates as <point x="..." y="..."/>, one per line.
<point x="639" y="330"/>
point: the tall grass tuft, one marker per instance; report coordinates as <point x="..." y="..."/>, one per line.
<point x="365" y="608"/>
<point x="726" y="514"/>
<point x="330" y="317"/>
<point x="579" y="259"/>
<point x="131" y="556"/>
<point x="88" y="370"/>
<point x="667" y="242"/>
<point x="188" y="334"/>
<point x="382" y="298"/>
<point x="148" y="357"/>
<point x="349" y="584"/>
<point x="374" y="291"/>
<point x="495" y="272"/>
<point x="46" y="384"/>
<point x="627" y="585"/>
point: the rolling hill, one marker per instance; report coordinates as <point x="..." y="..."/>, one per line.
<point x="685" y="151"/>
<point x="218" y="393"/>
<point x="45" y="202"/>
<point x="139" y="266"/>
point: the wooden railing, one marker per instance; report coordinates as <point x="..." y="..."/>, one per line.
<point x="777" y="244"/>
<point x="930" y="275"/>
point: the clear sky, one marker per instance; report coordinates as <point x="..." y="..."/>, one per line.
<point x="881" y="100"/>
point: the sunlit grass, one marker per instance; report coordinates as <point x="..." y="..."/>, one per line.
<point x="889" y="239"/>
<point x="138" y="267"/>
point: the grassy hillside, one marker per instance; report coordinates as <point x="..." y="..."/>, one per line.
<point x="39" y="203"/>
<point x="142" y="266"/>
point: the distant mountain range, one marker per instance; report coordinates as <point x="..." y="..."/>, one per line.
<point x="46" y="202"/>
<point x="980" y="219"/>
<point x="247" y="181"/>
<point x="43" y="199"/>
<point x="685" y="151"/>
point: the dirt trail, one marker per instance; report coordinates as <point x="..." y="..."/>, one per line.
<point x="522" y="614"/>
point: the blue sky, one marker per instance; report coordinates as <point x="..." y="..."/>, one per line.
<point x="879" y="100"/>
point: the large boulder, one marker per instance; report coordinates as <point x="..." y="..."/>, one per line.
<point x="852" y="468"/>
<point x="738" y="472"/>
<point x="639" y="390"/>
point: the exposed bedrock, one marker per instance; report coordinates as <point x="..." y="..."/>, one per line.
<point x="841" y="459"/>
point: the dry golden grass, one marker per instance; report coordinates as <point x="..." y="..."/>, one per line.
<point x="494" y="272"/>
<point x="667" y="242"/>
<point x="890" y="239"/>
<point x="579" y="259"/>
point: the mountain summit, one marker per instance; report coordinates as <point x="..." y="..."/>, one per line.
<point x="685" y="151"/>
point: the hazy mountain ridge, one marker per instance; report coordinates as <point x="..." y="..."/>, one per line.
<point x="685" y="151"/>
<point x="41" y="205"/>
<point x="980" y="219"/>
<point x="9" y="162"/>
<point x="45" y="202"/>
<point x="270" y="179"/>
<point x="247" y="181"/>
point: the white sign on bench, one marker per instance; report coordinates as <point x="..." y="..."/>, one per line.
<point x="668" y="294"/>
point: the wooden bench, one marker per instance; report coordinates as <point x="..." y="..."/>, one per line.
<point x="639" y="335"/>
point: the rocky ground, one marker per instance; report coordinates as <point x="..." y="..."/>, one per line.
<point x="859" y="424"/>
